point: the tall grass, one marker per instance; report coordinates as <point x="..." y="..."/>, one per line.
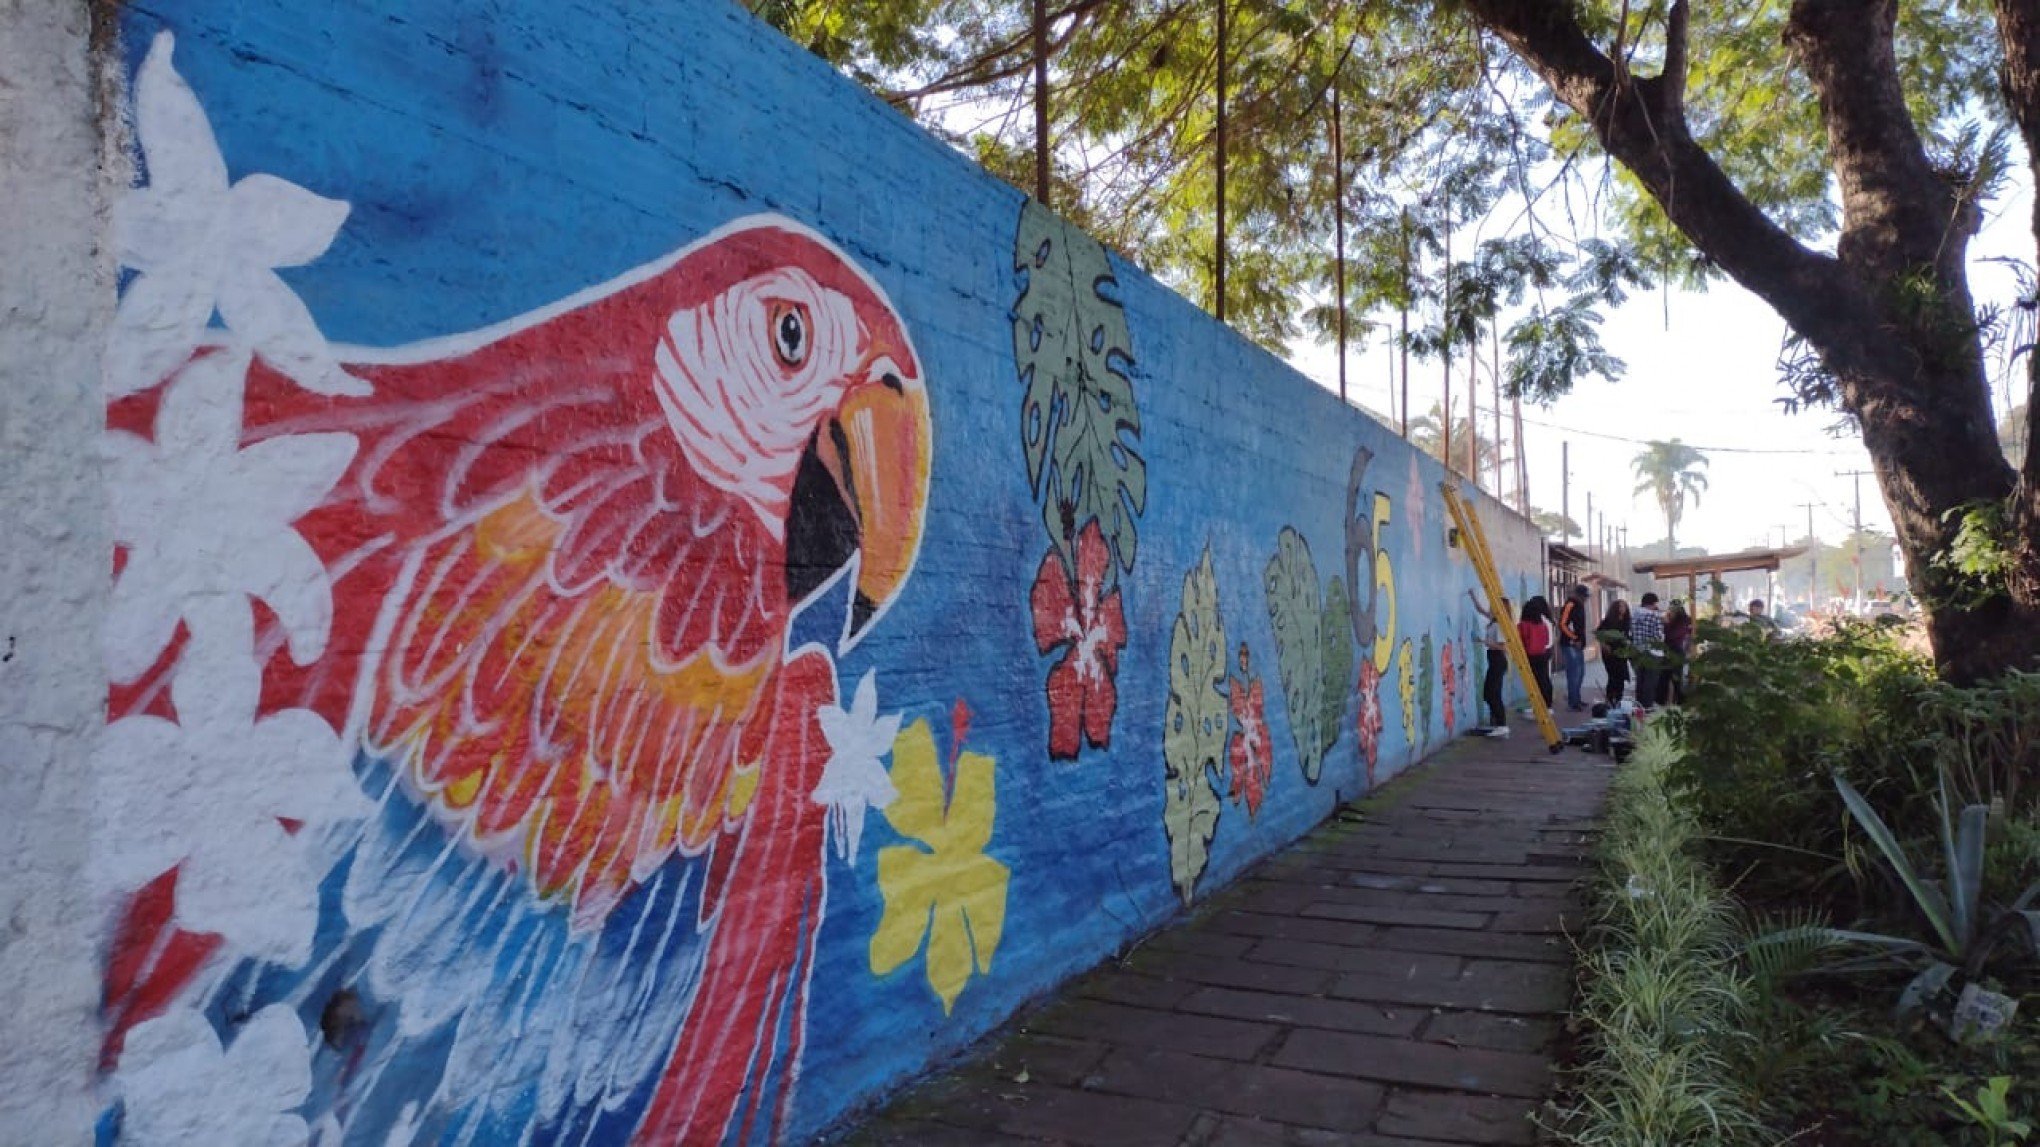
<point x="1664" y="1010"/>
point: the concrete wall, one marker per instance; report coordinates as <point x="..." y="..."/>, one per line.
<point x="651" y="599"/>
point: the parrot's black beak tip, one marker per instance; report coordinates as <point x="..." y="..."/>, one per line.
<point x="863" y="611"/>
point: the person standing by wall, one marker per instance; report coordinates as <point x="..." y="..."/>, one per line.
<point x="1647" y="640"/>
<point x="1613" y="634"/>
<point x="1535" y="630"/>
<point x="1671" y="685"/>
<point x="1497" y="645"/>
<point x="1572" y="644"/>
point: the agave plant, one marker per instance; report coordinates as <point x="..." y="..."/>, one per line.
<point x="1965" y="932"/>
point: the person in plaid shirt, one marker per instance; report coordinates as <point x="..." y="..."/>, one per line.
<point x="1647" y="638"/>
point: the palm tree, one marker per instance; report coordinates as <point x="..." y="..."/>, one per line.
<point x="1670" y="473"/>
<point x="1426" y="434"/>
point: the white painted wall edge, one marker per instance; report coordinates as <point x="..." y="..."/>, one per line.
<point x="56" y="299"/>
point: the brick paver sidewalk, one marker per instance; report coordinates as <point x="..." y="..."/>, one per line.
<point x="1397" y="977"/>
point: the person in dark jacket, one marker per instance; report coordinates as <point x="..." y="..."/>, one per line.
<point x="1613" y="634"/>
<point x="1671" y="681"/>
<point x="1572" y="644"/>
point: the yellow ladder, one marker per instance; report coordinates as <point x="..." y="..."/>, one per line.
<point x="1475" y="540"/>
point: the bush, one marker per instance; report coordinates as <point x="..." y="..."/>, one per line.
<point x="1663" y="1009"/>
<point x="1770" y="723"/>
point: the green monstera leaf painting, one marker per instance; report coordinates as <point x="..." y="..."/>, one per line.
<point x="1338" y="662"/>
<point x="1194" y="728"/>
<point x="1427" y="674"/>
<point x="1073" y="351"/>
<point x="1296" y="610"/>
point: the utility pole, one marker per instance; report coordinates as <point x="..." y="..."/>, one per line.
<point x="1041" y="101"/>
<point x="1495" y="330"/>
<point x="1405" y="344"/>
<point x="1856" y="544"/>
<point x="1522" y="464"/>
<point x="1445" y="339"/>
<point x="1472" y="417"/>
<point x="1565" y="489"/>
<point x="1812" y="560"/>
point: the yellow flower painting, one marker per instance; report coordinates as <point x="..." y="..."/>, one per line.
<point x="942" y="888"/>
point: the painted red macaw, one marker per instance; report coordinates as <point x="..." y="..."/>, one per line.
<point x="565" y="560"/>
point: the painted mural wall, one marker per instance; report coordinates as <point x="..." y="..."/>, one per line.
<point x="652" y="600"/>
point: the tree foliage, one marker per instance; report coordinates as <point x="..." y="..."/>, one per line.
<point x="1513" y="167"/>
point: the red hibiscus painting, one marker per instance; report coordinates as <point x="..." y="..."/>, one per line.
<point x="1370" y="715"/>
<point x="1078" y="614"/>
<point x="1252" y="752"/>
<point x="1449" y="670"/>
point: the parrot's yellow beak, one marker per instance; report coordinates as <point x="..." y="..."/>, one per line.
<point x="875" y="453"/>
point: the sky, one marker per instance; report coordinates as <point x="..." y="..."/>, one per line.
<point x="1702" y="368"/>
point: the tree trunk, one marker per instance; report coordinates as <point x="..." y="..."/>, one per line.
<point x="1889" y="313"/>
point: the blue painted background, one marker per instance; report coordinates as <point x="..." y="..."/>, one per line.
<point x="499" y="156"/>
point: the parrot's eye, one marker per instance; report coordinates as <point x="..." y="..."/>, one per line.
<point x="790" y="334"/>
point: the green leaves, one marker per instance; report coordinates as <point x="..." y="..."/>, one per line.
<point x="1296" y="611"/>
<point x="1194" y="728"/>
<point x="1551" y="351"/>
<point x="1337" y="631"/>
<point x="1072" y="349"/>
<point x="1427" y="682"/>
<point x="1929" y="899"/>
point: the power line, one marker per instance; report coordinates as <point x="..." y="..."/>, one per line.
<point x="1703" y="449"/>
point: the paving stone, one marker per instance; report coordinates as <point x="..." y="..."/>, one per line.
<point x="1383" y="914"/>
<point x="1197" y="941"/>
<point x="1140" y="1027"/>
<point x="1452" y="1118"/>
<point x="1430" y="1065"/>
<point x="1459" y="942"/>
<point x="1097" y="1120"/>
<point x="1547" y="874"/>
<point x="1342" y="958"/>
<point x="915" y="1133"/>
<point x="1536" y="989"/>
<point x="1264" y="977"/>
<point x="1306" y="1011"/>
<point x="1051" y="1059"/>
<point x="1142" y="991"/>
<point x="1297" y="1097"/>
<point x="1438" y="901"/>
<point x="1346" y="933"/>
<point x="1489" y="1030"/>
<point x="1238" y="1131"/>
<point x="1388" y="982"/>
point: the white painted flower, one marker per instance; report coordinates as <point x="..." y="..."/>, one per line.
<point x="204" y="519"/>
<point x="207" y="795"/>
<point x="202" y="245"/>
<point x="180" y="1086"/>
<point x="854" y="780"/>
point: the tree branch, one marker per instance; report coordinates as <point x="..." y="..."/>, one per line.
<point x="1896" y="211"/>
<point x="1633" y="122"/>
<point x="1676" y="35"/>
